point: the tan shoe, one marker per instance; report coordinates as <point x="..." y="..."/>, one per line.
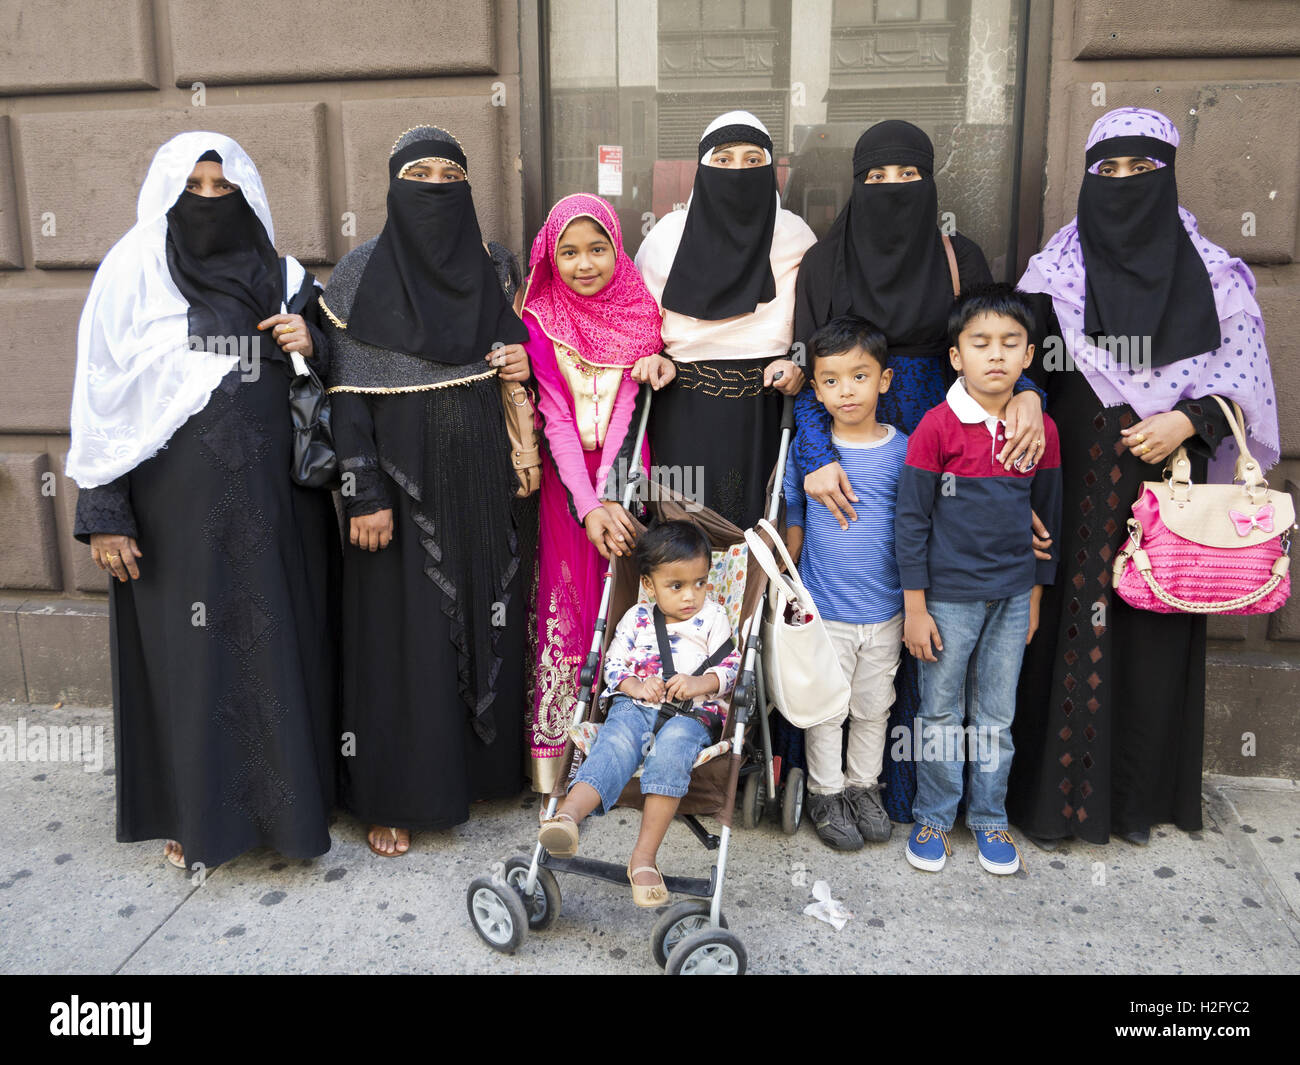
<point x="559" y="835"/>
<point x="649" y="896"/>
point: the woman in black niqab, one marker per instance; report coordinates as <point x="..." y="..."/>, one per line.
<point x="223" y="612"/>
<point x="434" y="603"/>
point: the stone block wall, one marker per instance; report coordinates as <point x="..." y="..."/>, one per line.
<point x="88" y="91"/>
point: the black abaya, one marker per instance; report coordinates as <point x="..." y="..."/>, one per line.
<point x="432" y="703"/>
<point x="1110" y="718"/>
<point x="418" y="762"/>
<point x="223" y="651"/>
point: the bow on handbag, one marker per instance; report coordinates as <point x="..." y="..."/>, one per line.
<point x="1245" y="523"/>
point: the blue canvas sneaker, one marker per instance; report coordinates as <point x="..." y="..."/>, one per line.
<point x="928" y="848"/>
<point x="998" y="851"/>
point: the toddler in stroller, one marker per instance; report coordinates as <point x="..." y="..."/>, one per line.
<point x="667" y="668"/>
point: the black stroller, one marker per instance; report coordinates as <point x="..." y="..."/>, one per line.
<point x="691" y="936"/>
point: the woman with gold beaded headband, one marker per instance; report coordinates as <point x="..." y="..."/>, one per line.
<point x="433" y="603"/>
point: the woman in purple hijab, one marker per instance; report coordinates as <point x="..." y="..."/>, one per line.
<point x="1143" y="319"/>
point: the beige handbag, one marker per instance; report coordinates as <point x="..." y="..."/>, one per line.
<point x="800" y="665"/>
<point x="525" y="447"/>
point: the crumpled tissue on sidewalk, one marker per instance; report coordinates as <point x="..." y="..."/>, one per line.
<point x="827" y="909"/>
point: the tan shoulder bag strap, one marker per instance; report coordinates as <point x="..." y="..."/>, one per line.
<point x="952" y="264"/>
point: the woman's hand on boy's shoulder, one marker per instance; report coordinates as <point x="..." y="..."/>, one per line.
<point x="829" y="485"/>
<point x="1026" y="436"/>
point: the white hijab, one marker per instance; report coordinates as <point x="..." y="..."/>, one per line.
<point x="766" y="332"/>
<point x="137" y="380"/>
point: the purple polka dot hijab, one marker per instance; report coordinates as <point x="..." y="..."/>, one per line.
<point x="1238" y="369"/>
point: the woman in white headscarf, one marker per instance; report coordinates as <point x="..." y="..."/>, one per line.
<point x="222" y="607"/>
<point x="723" y="272"/>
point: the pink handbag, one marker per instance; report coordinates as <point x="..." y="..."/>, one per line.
<point x="1209" y="548"/>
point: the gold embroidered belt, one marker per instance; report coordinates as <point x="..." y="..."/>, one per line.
<point x="720" y="379"/>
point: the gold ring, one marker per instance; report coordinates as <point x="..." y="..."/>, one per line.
<point x="1141" y="437"/>
<point x="1145" y="449"/>
<point x="112" y="555"/>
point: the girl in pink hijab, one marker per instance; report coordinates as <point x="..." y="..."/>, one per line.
<point x="590" y="319"/>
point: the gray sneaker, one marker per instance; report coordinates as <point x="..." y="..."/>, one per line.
<point x="833" y="820"/>
<point x="868" y="814"/>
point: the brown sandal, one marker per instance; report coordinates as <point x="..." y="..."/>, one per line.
<point x="559" y="835"/>
<point x="386" y="854"/>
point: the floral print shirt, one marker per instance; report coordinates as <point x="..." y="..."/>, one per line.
<point x="634" y="651"/>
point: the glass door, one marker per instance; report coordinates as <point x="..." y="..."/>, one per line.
<point x="631" y="84"/>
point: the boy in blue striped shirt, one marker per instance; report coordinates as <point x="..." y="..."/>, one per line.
<point x="852" y="575"/>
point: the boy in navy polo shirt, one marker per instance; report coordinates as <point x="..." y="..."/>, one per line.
<point x="853" y="578"/>
<point x="971" y="583"/>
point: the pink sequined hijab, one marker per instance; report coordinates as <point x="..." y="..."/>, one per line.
<point x="613" y="327"/>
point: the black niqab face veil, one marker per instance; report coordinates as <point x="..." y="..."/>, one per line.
<point x="1143" y="276"/>
<point x="887" y="262"/>
<point x="723" y="264"/>
<point x="429" y="288"/>
<point x="223" y="262"/>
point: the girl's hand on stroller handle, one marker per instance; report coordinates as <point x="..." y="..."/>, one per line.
<point x="655" y="370"/>
<point x="610" y="529"/>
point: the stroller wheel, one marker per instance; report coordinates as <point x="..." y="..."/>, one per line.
<point x="544" y="906"/>
<point x="679" y="921"/>
<point x="709" y="952"/>
<point x="498" y="913"/>
<point x="753" y="800"/>
<point x="792" y="802"/>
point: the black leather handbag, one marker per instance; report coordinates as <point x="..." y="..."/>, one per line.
<point x="315" y="463"/>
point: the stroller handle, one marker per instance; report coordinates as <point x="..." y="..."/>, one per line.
<point x="787" y="414"/>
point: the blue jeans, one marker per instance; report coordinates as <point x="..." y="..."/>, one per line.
<point x="626" y="736"/>
<point x="973" y="684"/>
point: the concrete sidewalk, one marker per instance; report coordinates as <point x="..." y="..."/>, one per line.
<point x="1225" y="900"/>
